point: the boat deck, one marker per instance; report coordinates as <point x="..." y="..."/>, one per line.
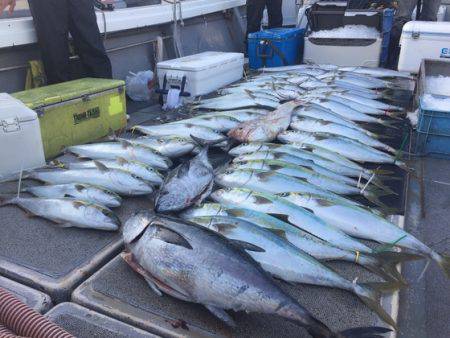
<point x="69" y="264"/>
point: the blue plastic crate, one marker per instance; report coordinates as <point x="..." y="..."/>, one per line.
<point x="433" y="133"/>
<point x="275" y="47"/>
<point x="388" y="21"/>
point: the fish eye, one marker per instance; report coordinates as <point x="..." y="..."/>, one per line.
<point x="283" y="194"/>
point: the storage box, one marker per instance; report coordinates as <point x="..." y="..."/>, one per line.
<point x="77" y="112"/>
<point x="204" y="72"/>
<point x="343" y="52"/>
<point x="433" y="128"/>
<point x="326" y="15"/>
<point x="275" y="47"/>
<point x="423" y="40"/>
<point x="20" y="137"/>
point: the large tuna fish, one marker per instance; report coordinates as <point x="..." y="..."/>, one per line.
<point x="197" y="265"/>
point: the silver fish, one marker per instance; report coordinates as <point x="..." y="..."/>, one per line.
<point x="181" y="130"/>
<point x="284" y="260"/>
<point x="382" y="264"/>
<point x="377" y="72"/>
<point x="170" y="146"/>
<point x="325" y="114"/>
<point x="123" y="149"/>
<point x="269" y="182"/>
<point x="191" y="182"/>
<point x="216" y="122"/>
<point x="119" y="181"/>
<point x="347" y="112"/>
<point x="210" y="271"/>
<point x="342" y="145"/>
<point x="295" y="171"/>
<point x="82" y="192"/>
<point x="68" y="212"/>
<point x="361" y="223"/>
<point x="320" y="126"/>
<point x="300" y="217"/>
<point x="296" y="160"/>
<point x="136" y="168"/>
<point x="242" y="102"/>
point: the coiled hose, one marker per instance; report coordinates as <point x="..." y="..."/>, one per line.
<point x="17" y="317"/>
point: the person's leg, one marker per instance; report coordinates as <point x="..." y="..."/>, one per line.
<point x="275" y="13"/>
<point x="255" y="10"/>
<point x="87" y="39"/>
<point x="51" y="20"/>
<point x="405" y="9"/>
<point x="430" y="9"/>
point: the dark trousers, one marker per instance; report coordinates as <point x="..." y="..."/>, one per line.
<point x="255" y="10"/>
<point x="53" y="20"/>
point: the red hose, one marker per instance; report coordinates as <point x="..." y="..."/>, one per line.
<point x="26" y="322"/>
<point x="6" y="333"/>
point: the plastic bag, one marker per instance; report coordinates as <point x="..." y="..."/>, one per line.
<point x="140" y="85"/>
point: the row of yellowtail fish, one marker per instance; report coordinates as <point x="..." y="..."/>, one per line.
<point x="284" y="203"/>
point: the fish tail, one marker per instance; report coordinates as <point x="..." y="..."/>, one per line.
<point x="374" y="197"/>
<point x="389" y="124"/>
<point x="369" y="294"/>
<point x="387" y="261"/>
<point x="363" y="332"/>
<point x="443" y="261"/>
<point x="379" y="184"/>
<point x="403" y="166"/>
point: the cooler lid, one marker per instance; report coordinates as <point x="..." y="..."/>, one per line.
<point x="276" y="33"/>
<point x="427" y="27"/>
<point x="201" y="61"/>
<point x="11" y="108"/>
<point x="48" y="95"/>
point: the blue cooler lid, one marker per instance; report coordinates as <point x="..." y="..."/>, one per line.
<point x="276" y="33"/>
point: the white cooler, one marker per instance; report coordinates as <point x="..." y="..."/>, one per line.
<point x="20" y="137"/>
<point x="423" y="40"/>
<point x="343" y="52"/>
<point x="205" y="72"/>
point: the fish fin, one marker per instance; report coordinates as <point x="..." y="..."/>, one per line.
<point x="279" y="233"/>
<point x="247" y="246"/>
<point x="170" y="236"/>
<point x="65" y="225"/>
<point x="222" y="315"/>
<point x="265" y="175"/>
<point x="125" y="144"/>
<point x="364" y="332"/>
<point x="121" y="160"/>
<point x="79" y="187"/>
<point x="379" y="171"/>
<point x="205" y="194"/>
<point x="78" y="204"/>
<point x="100" y="166"/>
<point x="128" y="257"/>
<point x="282" y="217"/>
<point x="153" y="286"/>
<point x="206" y="143"/>
<point x="387" y="264"/>
<point x="261" y="200"/>
<point x="369" y="294"/>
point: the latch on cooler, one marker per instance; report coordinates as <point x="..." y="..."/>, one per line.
<point x="175" y="82"/>
<point x="10" y="125"/>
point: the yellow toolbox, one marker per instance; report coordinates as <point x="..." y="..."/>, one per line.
<point x="77" y="112"/>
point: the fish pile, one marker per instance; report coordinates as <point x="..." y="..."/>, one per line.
<point x="297" y="193"/>
<point x="81" y="194"/>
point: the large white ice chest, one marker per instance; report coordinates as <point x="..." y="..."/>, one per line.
<point x="205" y="72"/>
<point x="423" y="40"/>
<point x="20" y="137"/>
<point x="343" y="52"/>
